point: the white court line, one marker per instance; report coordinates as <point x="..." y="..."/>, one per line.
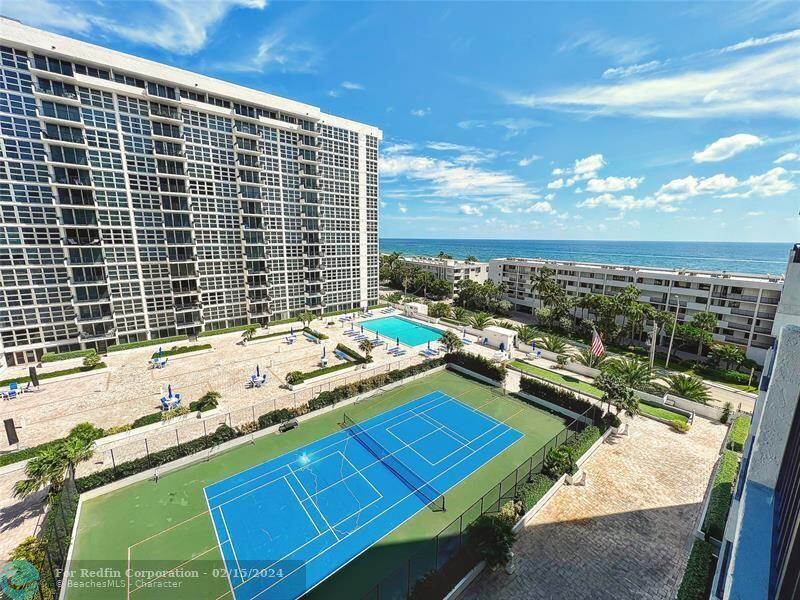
<point x="344" y="456"/>
<point x="422" y="456"/>
<point x="321" y="514"/>
<point x="389" y="508"/>
<point x="401" y="414"/>
<point x="230" y="539"/>
<point x="450" y="432"/>
<point x="165" y="573"/>
<point x="300" y="502"/>
<point x="216" y="535"/>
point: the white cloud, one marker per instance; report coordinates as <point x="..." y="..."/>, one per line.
<point x="588" y="167"/>
<point x="771" y="183"/>
<point x="755" y="213"/>
<point x="421" y="112"/>
<point x="469" y="209"/>
<point x="727" y="147"/>
<point x="763" y="84"/>
<point x="350" y="85"/>
<point x="513" y="126"/>
<point x="402" y="208"/>
<point x="717" y="211"/>
<point x="524" y="162"/>
<point x="788" y="157"/>
<point x="638" y="69"/>
<point x="620" y="50"/>
<point x="174" y="25"/>
<point x="613" y="184"/>
<point x="556" y="184"/>
<point x="278" y="50"/>
<point x="540" y="207"/>
<point x="762" y="41"/>
<point x="557" y="172"/>
<point x="397" y="148"/>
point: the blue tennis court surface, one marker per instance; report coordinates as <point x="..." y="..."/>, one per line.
<point x="289" y="523"/>
<point x="409" y="332"/>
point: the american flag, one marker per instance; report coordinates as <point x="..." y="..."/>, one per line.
<point x="597" y="347"/>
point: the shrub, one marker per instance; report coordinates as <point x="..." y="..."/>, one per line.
<point x="143" y="343"/>
<point x="554" y="394"/>
<point x="533" y="490"/>
<point x="580" y="444"/>
<point x="562" y="360"/>
<point x="177" y="350"/>
<point x="118" y="429"/>
<point x="726" y="412"/>
<point x="53" y="374"/>
<point x="91" y="361"/>
<point x="359" y="358"/>
<point x="739" y="432"/>
<point x="558" y="462"/>
<point x="491" y="538"/>
<point x="477" y="364"/>
<point x="720" y="501"/>
<point x="56" y="356"/>
<point x="137" y="465"/>
<point x="207" y="401"/>
<point x="294" y="377"/>
<point x="696" y="581"/>
<point x="211" y="332"/>
<point x="298" y="377"/>
<point x="174" y="412"/>
<point x="274" y="417"/>
<point x="247" y="428"/>
<point x="32" y="550"/>
<point x="680" y="426"/>
<point x="723" y="375"/>
<point x="87" y="432"/>
<point x="316" y="334"/>
<point x="147" y="420"/>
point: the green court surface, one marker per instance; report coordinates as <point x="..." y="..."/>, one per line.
<point x="156" y="540"/>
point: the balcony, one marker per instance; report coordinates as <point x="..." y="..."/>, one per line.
<point x="182" y="308"/>
<point x="87" y="336"/>
<point x="741" y="297"/>
<point x="192" y="323"/>
<point x="165" y="114"/>
<point x="60" y="94"/>
<point x="64" y="138"/>
<point x="82" y="320"/>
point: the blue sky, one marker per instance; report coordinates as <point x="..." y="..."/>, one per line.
<point x="649" y="120"/>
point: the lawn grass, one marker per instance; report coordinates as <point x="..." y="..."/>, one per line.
<point x="565" y="380"/>
<point x="175" y="512"/>
<point x="662" y="413"/>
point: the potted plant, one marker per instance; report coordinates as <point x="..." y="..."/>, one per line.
<point x="561" y="361"/>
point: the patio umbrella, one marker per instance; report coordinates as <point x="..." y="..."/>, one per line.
<point x="323" y="352"/>
<point x="258" y="371"/>
<point x="362" y="329"/>
<point x="351" y="326"/>
<point x="376" y="336"/>
<point x="291" y="330"/>
<point x="398" y="342"/>
<point x="429" y="344"/>
<point x="169" y="390"/>
<point x="159" y="352"/>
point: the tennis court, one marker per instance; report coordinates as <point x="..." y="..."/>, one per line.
<point x="287" y="524"/>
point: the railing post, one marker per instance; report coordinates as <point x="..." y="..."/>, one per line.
<point x="147" y="451"/>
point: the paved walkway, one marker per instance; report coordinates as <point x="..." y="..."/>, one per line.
<point x="625" y="535"/>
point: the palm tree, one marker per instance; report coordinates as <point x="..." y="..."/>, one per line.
<point x="460" y="314"/>
<point x="543" y="282"/>
<point x="52" y="463"/>
<point x="526" y="334"/>
<point x="587" y="359"/>
<point x="481" y="320"/>
<point x="306" y="317"/>
<point x="471" y="259"/>
<point x="689" y="387"/>
<point x="451" y="341"/>
<point x="366" y="347"/>
<point x="249" y="333"/>
<point x="633" y="372"/>
<point x="505" y="324"/>
<point x="554" y="343"/>
<point x="425" y="280"/>
<point x="728" y="354"/>
<point x="439" y="310"/>
<point x="705" y="321"/>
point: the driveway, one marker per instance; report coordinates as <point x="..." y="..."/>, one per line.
<point x="627" y="534"/>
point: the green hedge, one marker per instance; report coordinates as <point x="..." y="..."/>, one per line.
<point x="137" y="465"/>
<point x="580" y="443"/>
<point x="724" y="375"/>
<point x="275" y="417"/>
<point x="144" y="343"/>
<point x="359" y="358"/>
<point x="739" y="432"/>
<point x="84" y="430"/>
<point x="720" y="501"/>
<point x="207" y="401"/>
<point x="182" y="350"/>
<point x="478" y="364"/>
<point x="53" y="374"/>
<point x="271" y="335"/>
<point x="56" y="356"/>
<point x="211" y="332"/>
<point x="343" y="392"/>
<point x="556" y="395"/>
<point x="533" y="490"/>
<point x="316" y="334"/>
<point x="696" y="583"/>
<point x="147" y="420"/>
<point x="319" y="372"/>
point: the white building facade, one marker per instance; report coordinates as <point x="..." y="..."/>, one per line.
<point x="745" y="305"/>
<point x="449" y="269"/>
<point x="142" y="201"/>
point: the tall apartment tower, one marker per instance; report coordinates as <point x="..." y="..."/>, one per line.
<point x="140" y="201"/>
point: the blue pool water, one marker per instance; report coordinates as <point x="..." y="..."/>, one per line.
<point x="409" y="332"/>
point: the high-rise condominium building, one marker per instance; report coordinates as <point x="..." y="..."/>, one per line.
<point x="140" y="201"/>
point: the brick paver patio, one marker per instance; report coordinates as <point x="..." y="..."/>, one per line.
<point x="624" y="536"/>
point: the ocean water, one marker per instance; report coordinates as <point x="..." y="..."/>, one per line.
<point x="735" y="257"/>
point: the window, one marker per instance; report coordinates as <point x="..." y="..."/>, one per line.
<point x="92" y="71"/>
<point x="128" y="80"/>
<point x="46" y="63"/>
<point x="61" y="111"/>
<point x="158" y="89"/>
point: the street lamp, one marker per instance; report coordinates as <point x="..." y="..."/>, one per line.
<point x="674" y="326"/>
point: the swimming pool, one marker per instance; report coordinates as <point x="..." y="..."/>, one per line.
<point x="409" y="332"/>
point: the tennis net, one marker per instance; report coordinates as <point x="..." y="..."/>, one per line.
<point x="414" y="482"/>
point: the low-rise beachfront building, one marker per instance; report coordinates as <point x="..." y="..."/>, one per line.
<point x="449" y="269"/>
<point x="746" y="305"/>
